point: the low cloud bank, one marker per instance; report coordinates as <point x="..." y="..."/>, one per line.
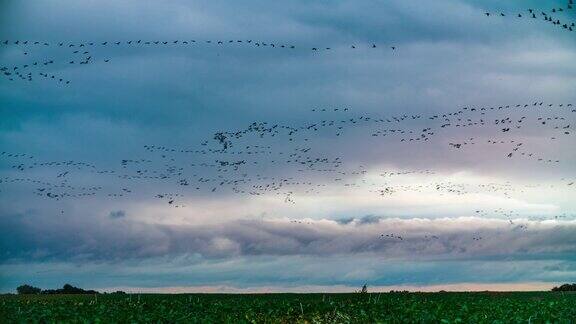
<point x="28" y="238"/>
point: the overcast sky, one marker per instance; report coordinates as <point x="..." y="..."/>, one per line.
<point x="456" y="218"/>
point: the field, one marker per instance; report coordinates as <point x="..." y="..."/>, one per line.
<point x="533" y="307"/>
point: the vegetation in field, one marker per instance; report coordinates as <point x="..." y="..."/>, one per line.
<point x="534" y="307"/>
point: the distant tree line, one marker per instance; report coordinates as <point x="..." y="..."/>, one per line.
<point x="66" y="289"/>
<point x="565" y="287"/>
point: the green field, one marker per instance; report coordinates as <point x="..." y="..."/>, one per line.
<point x="536" y="307"/>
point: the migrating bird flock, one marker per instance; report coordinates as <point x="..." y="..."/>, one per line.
<point x="288" y="160"/>
<point x="85" y="53"/>
<point x="549" y="16"/>
<point x="235" y="160"/>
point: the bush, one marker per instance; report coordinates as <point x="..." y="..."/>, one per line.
<point x="565" y="287"/>
<point x="28" y="290"/>
<point x="68" y="289"/>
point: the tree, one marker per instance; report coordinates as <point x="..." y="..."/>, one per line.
<point x="68" y="289"/>
<point x="28" y="290"/>
<point x="364" y="289"/>
<point x="565" y="287"/>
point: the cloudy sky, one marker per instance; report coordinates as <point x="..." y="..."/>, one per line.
<point x="422" y="145"/>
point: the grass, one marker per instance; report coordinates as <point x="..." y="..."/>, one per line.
<point x="531" y="307"/>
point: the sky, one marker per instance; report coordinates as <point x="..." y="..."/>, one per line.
<point x="402" y="144"/>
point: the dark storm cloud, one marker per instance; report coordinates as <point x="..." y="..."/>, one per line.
<point x="198" y="85"/>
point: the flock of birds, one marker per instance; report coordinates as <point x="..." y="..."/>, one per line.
<point x="83" y="53"/>
<point x="237" y="161"/>
<point x="550" y="16"/>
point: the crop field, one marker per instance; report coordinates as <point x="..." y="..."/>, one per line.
<point x="533" y="307"/>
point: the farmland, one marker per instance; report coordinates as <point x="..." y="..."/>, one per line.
<point x="529" y="307"/>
